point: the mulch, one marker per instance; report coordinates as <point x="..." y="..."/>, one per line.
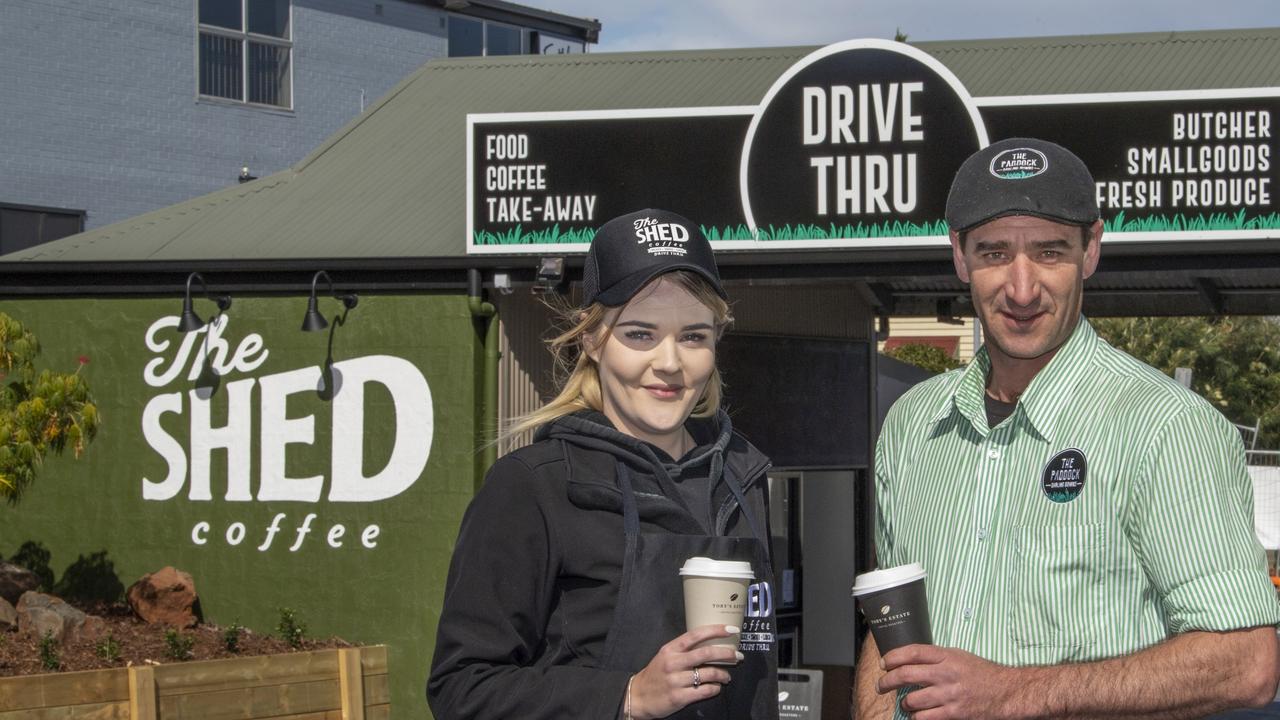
<point x="137" y="643"/>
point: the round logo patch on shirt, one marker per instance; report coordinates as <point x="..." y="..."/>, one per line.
<point x="1063" y="476"/>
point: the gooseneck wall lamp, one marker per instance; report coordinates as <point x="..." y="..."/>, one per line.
<point x="313" y="321"/>
<point x="189" y="321"/>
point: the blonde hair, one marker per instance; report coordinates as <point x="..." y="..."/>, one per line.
<point x="578" y="375"/>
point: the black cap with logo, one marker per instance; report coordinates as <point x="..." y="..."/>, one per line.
<point x="630" y="250"/>
<point x="1021" y="176"/>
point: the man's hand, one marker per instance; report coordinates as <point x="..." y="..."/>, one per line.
<point x="949" y="683"/>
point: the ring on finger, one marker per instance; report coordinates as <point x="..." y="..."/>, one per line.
<point x="697" y="680"/>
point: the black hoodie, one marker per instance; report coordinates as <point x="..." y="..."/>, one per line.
<point x="538" y="563"/>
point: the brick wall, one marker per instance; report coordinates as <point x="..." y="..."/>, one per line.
<point x="99" y="109"/>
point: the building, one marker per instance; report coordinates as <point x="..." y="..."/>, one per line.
<point x="115" y="109"/>
<point x="362" y="446"/>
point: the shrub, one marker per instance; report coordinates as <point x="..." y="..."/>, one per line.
<point x="40" y="411"/>
<point x="108" y="649"/>
<point x="49" y="651"/>
<point x="928" y="357"/>
<point x="231" y="637"/>
<point x="291" y="628"/>
<point x="177" y="645"/>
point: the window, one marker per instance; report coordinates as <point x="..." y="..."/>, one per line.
<point x="23" y="226"/>
<point x="470" y="38"/>
<point x="245" y="51"/>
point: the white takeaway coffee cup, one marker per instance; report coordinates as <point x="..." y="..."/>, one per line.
<point x="715" y="593"/>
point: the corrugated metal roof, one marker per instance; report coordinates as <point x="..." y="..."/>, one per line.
<point x="391" y="184"/>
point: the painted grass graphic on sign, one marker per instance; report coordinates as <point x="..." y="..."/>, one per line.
<point x="1183" y="223"/>
<point x="829" y="232"/>
<point x="518" y="236"/>
<point x="770" y="233"/>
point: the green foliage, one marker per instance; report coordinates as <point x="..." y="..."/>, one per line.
<point x="39" y="411"/>
<point x="899" y="36"/>
<point x="178" y="645"/>
<point x="49" y="651"/>
<point x="291" y="629"/>
<point x="231" y="637"/>
<point x="1235" y="361"/>
<point x="929" y="357"/>
<point x="108" y="649"/>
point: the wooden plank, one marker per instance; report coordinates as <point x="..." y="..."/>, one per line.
<point x="377" y="712"/>
<point x="246" y="672"/>
<point x="350" y="684"/>
<point x="377" y="690"/>
<point x="252" y="702"/>
<point x="373" y="659"/>
<point x="142" y="692"/>
<point x="326" y="715"/>
<point x="94" y="711"/>
<point x="76" y="688"/>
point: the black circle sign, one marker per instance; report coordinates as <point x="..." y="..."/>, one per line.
<point x="1063" y="477"/>
<point x="861" y="133"/>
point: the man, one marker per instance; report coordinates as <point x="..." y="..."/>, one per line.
<point x="1085" y="522"/>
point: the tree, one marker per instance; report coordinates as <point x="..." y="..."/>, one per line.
<point x="1235" y="361"/>
<point x="929" y="357"/>
<point x="39" y="411"/>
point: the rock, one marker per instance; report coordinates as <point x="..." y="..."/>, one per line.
<point x="8" y="616"/>
<point x="15" y="580"/>
<point x="39" y="614"/>
<point x="93" y="629"/>
<point x="167" y="597"/>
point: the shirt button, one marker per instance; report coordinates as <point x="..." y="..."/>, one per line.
<point x="994" y="454"/>
<point x="968" y="613"/>
<point x="982" y="533"/>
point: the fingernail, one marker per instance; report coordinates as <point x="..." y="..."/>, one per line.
<point x="739" y="655"/>
<point x="732" y="629"/>
<point x="881" y="663"/>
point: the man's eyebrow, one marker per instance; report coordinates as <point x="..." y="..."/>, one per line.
<point x="1050" y="244"/>
<point x="991" y="245"/>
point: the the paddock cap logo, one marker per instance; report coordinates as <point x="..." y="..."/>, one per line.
<point x="1019" y="164"/>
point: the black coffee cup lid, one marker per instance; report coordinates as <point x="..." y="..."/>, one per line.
<point x="878" y="580"/>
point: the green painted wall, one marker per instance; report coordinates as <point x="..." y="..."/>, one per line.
<point x="131" y="497"/>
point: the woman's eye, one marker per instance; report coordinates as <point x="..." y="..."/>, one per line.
<point x="638" y="335"/>
<point x="693" y="337"/>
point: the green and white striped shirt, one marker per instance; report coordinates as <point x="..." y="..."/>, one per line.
<point x="1031" y="562"/>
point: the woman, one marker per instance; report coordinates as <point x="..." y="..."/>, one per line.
<point x="564" y="597"/>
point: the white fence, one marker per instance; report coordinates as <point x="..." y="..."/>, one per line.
<point x="1266" y="501"/>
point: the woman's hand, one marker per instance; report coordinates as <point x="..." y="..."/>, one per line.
<point x="666" y="684"/>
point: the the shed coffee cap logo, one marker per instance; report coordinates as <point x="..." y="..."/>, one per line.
<point x="664" y="238"/>
<point x="1019" y="164"/>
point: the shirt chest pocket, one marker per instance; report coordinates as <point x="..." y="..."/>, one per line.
<point x="1057" y="580"/>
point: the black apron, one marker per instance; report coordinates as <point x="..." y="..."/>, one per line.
<point x="650" y="609"/>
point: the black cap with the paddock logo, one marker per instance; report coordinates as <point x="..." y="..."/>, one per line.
<point x="1021" y="176"/>
<point x="630" y="250"/>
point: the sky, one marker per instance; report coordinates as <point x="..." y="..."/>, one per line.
<point x="699" y="24"/>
